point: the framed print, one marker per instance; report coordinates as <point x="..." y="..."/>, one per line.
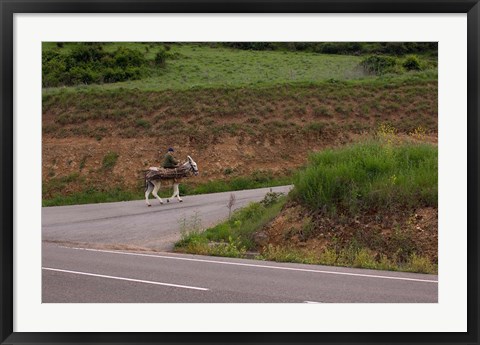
<point x="239" y="172"/>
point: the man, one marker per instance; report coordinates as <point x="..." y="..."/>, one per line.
<point x="169" y="162"/>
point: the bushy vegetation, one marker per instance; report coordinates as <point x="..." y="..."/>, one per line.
<point x="412" y="63"/>
<point x="89" y="63"/>
<point x="379" y="64"/>
<point x="372" y="175"/>
<point x="346" y="48"/>
<point x="233" y="237"/>
<point x="383" y="64"/>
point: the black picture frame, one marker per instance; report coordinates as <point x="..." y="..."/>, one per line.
<point x="9" y="7"/>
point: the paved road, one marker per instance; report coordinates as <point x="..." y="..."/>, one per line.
<point x="133" y="225"/>
<point x="89" y="275"/>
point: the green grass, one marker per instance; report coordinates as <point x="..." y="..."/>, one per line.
<point x="260" y="180"/>
<point x="200" y="66"/>
<point x="91" y="196"/>
<point x="372" y="175"/>
<point x="349" y="257"/>
<point x="54" y="190"/>
<point x="233" y="237"/>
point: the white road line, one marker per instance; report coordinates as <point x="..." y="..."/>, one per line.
<point x="126" y="279"/>
<point x="312" y="302"/>
<point x="260" y="266"/>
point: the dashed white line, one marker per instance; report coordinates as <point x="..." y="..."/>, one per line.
<point x="260" y="266"/>
<point x="125" y="279"/>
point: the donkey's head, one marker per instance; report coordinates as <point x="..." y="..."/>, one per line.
<point x="193" y="165"/>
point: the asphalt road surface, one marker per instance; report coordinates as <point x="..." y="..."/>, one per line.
<point x="133" y="225"/>
<point x="76" y="275"/>
<point x="115" y="252"/>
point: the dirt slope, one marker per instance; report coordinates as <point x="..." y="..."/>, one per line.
<point x="229" y="133"/>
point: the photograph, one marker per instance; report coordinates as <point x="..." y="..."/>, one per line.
<point x="239" y="172"/>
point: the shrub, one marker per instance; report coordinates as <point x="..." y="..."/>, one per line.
<point x="87" y="52"/>
<point x="161" y="57"/>
<point x="271" y="198"/>
<point x="125" y="57"/>
<point x="396" y="48"/>
<point x="412" y="63"/>
<point x="378" y="64"/>
<point x="82" y="75"/>
<point x="113" y="75"/>
<point x="54" y="67"/>
<point x="340" y="48"/>
<point x="89" y="63"/>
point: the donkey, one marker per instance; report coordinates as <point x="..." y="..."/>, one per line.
<point x="154" y="176"/>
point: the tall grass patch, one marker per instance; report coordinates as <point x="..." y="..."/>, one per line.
<point x="372" y="175"/>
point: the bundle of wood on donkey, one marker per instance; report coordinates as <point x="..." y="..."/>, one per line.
<point x="154" y="177"/>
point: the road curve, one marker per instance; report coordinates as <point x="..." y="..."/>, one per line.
<point x="76" y="275"/>
<point x="131" y="224"/>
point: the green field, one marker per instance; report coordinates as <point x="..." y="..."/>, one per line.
<point x="192" y="66"/>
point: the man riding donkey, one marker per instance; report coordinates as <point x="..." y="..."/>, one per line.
<point x="171" y="170"/>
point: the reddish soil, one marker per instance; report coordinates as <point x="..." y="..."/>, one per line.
<point x="384" y="233"/>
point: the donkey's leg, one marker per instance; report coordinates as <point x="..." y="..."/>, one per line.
<point x="168" y="199"/>
<point x="148" y="190"/>
<point x="176" y="192"/>
<point x="155" y="191"/>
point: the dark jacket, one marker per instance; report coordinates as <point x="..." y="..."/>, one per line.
<point x="169" y="161"/>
